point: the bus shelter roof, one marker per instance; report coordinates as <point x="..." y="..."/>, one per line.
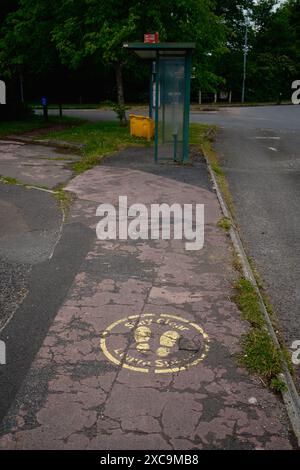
<point x="150" y="50"/>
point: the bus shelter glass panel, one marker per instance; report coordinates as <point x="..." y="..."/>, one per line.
<point x="171" y="107"/>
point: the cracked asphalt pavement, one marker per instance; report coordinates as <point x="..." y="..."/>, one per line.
<point x="132" y="344"/>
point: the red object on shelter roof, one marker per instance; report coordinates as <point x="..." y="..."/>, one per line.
<point x="150" y="38"/>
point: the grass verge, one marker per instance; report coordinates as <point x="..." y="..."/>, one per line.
<point x="224" y="223"/>
<point x="99" y="139"/>
<point x="260" y="355"/>
<point x="203" y="135"/>
<point x="101" y="105"/>
<point x="32" y="124"/>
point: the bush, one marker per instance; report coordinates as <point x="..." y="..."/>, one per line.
<point x="120" y="110"/>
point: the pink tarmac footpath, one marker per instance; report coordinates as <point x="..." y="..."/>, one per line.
<point x="142" y="353"/>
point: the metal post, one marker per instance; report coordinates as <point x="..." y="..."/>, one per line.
<point x="157" y="80"/>
<point x="175" y="140"/>
<point x="45" y="112"/>
<point x="245" y="63"/>
<point x="21" y="88"/>
<point x="162" y="97"/>
<point x="151" y="93"/>
<point x="186" y="111"/>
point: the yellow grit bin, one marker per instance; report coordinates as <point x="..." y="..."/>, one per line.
<point x="141" y="126"/>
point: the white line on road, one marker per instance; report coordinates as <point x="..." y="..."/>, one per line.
<point x="267" y="138"/>
<point x="273" y="149"/>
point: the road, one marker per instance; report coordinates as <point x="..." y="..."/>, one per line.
<point x="266" y="117"/>
<point x="259" y="150"/>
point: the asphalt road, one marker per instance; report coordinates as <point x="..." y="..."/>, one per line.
<point x="94" y="115"/>
<point x="260" y="152"/>
<point x="267" y="117"/>
<point x="280" y="118"/>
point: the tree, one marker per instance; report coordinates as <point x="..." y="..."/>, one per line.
<point x="38" y="37"/>
<point x="10" y="67"/>
<point x="273" y="47"/>
<point x="273" y="60"/>
<point x="293" y="10"/>
<point x="230" y="65"/>
<point x="102" y="27"/>
<point x="25" y="38"/>
<point x="42" y="34"/>
<point x="7" y="6"/>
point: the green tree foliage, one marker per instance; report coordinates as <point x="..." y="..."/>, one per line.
<point x="273" y="60"/>
<point x="38" y="37"/>
<point x="273" y="47"/>
<point x="230" y="65"/>
<point x="25" y="40"/>
<point x="194" y="21"/>
<point x="40" y="32"/>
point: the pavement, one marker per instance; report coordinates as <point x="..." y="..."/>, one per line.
<point x="259" y="151"/>
<point x="35" y="164"/>
<point x="132" y="344"/>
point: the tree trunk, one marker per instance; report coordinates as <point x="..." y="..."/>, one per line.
<point x="120" y="90"/>
<point x="119" y="79"/>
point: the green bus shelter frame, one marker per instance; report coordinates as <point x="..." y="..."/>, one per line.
<point x="153" y="52"/>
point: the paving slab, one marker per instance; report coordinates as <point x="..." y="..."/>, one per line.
<point x="142" y="351"/>
<point x="35" y="164"/>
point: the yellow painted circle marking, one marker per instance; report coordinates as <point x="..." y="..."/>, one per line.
<point x="160" y="343"/>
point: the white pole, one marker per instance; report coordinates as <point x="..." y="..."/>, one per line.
<point x="245" y="63"/>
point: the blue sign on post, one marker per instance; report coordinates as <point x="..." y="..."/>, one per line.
<point x="45" y="108"/>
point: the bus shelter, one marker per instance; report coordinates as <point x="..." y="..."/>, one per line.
<point x="169" y="96"/>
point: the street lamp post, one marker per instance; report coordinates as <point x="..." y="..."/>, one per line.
<point x="245" y="62"/>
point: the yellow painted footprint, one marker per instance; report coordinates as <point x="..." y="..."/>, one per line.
<point x="167" y="342"/>
<point x="142" y="336"/>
